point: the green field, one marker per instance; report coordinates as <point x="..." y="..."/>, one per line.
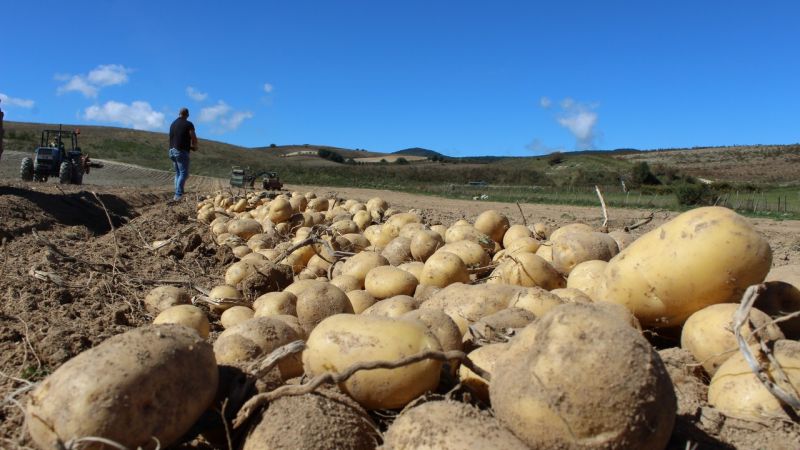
<point x="507" y="179"/>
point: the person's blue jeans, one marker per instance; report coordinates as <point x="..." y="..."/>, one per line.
<point x="180" y="161"/>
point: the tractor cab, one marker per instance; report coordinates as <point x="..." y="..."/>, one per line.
<point x="58" y="155"/>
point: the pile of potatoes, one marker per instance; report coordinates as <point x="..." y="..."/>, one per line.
<point x="553" y="314"/>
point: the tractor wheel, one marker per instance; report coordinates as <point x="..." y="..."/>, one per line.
<point x="77" y="174"/>
<point x="65" y="172"/>
<point x="26" y="169"/>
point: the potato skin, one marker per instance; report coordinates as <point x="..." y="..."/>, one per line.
<point x="151" y="381"/>
<point x="387" y="281"/>
<point x="571" y="249"/>
<point x="541" y="391"/>
<point x="702" y="257"/>
<point x="342" y="340"/>
<point x="186" y="315"/>
<point x="242" y="343"/>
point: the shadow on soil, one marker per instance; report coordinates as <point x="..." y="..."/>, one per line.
<point x="18" y="216"/>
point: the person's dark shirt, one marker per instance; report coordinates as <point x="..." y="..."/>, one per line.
<point x="179" y="136"/>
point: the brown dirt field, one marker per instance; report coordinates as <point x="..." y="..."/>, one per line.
<point x="74" y="269"/>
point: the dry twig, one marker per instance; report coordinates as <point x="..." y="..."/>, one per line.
<point x="741" y="317"/>
<point x="603" y="206"/>
<point x="260" y="400"/>
<point x="524" y="220"/>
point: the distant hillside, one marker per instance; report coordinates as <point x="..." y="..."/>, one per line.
<point x="423" y="152"/>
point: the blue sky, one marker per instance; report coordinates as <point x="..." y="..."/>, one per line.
<point x="460" y="77"/>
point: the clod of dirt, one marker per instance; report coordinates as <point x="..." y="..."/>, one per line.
<point x="323" y="419"/>
<point x="224" y="255"/>
<point x="269" y="278"/>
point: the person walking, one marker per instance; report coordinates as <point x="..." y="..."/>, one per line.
<point x="182" y="140"/>
<point x="1" y="133"/>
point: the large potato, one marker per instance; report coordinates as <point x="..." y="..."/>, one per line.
<point x="515" y="232"/>
<point x="448" y="425"/>
<point x="588" y="277"/>
<point x="150" y="382"/>
<point x="708" y="333"/>
<point x="387" y="281"/>
<point x="397" y="251"/>
<point x="343" y="340"/>
<point x="585" y="380"/>
<point x="571" y="249"/>
<point x="492" y="224"/>
<point x="244" y="228"/>
<point x="735" y="391"/>
<point x="443" y="269"/>
<point x="702" y="257"/>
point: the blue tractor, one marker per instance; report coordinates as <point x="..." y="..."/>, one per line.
<point x="53" y="158"/>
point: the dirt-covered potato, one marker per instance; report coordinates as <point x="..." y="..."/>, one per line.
<point x="572" y="295"/>
<point x="448" y="425"/>
<point x="241" y="250"/>
<point x="346" y="283"/>
<point x="413" y="267"/>
<point x="782" y="297"/>
<point x="492" y="224"/>
<point x="443" y="269"/>
<point x="535" y="300"/>
<point x="484" y="357"/>
<point x="424" y="243"/>
<point x="571" y="249"/>
<point x="358" y="265"/>
<point x="224" y="292"/>
<point x="360" y="300"/>
<point x="588" y="277"/>
<point x="466" y="303"/>
<point x="392" y="307"/>
<point x="234" y="316"/>
<point x="622" y="238"/>
<point x="325" y="419"/>
<point x="588" y="381"/>
<point x="396" y="222"/>
<point x="708" y="333"/>
<point x="397" y="251"/>
<point x="150" y="382"/>
<point x="163" y="297"/>
<point x="468" y="233"/>
<point x="500" y="322"/>
<point x="242" y="344"/>
<point x="529" y="270"/>
<point x="412" y="228"/>
<point x="343" y="340"/>
<point x="735" y="390"/>
<point x="387" y="281"/>
<point x="541" y="230"/>
<point x="702" y="257"/>
<point x="318" y="301"/>
<point x="187" y="315"/>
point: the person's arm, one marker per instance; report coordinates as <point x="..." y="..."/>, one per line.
<point x="193" y="136"/>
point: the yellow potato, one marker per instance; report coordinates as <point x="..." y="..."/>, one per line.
<point x="484" y="357"/>
<point x="515" y="232"/>
<point x="492" y="224"/>
<point x="393" y="307"/>
<point x="360" y="300"/>
<point x="163" y="297"/>
<point x="343" y="340"/>
<point x="424" y="243"/>
<point x="359" y="265"/>
<point x="275" y="303"/>
<point x="529" y="270"/>
<point x="571" y="249"/>
<point x="588" y="277"/>
<point x="702" y="257"/>
<point x="234" y="316"/>
<point x="442" y="269"/>
<point x="186" y="315"/>
<point x="387" y="281"/>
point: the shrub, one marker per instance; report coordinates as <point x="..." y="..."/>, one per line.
<point x="641" y="174"/>
<point x="401" y="161"/>
<point x="555" y="158"/>
<point x="692" y="194"/>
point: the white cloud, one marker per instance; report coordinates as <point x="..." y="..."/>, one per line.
<point x="109" y="75"/>
<point x="78" y="84"/>
<point x="138" y="115"/>
<point x="545" y="102"/>
<point x="212" y="113"/>
<point x="235" y="120"/>
<point x="13" y="101"/>
<point x="581" y="120"/>
<point x="89" y="85"/>
<point x="268" y="88"/>
<point x="195" y="95"/>
<point x="223" y="117"/>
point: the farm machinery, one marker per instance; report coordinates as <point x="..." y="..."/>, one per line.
<point x="58" y="155"/>
<point x="244" y="178"/>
